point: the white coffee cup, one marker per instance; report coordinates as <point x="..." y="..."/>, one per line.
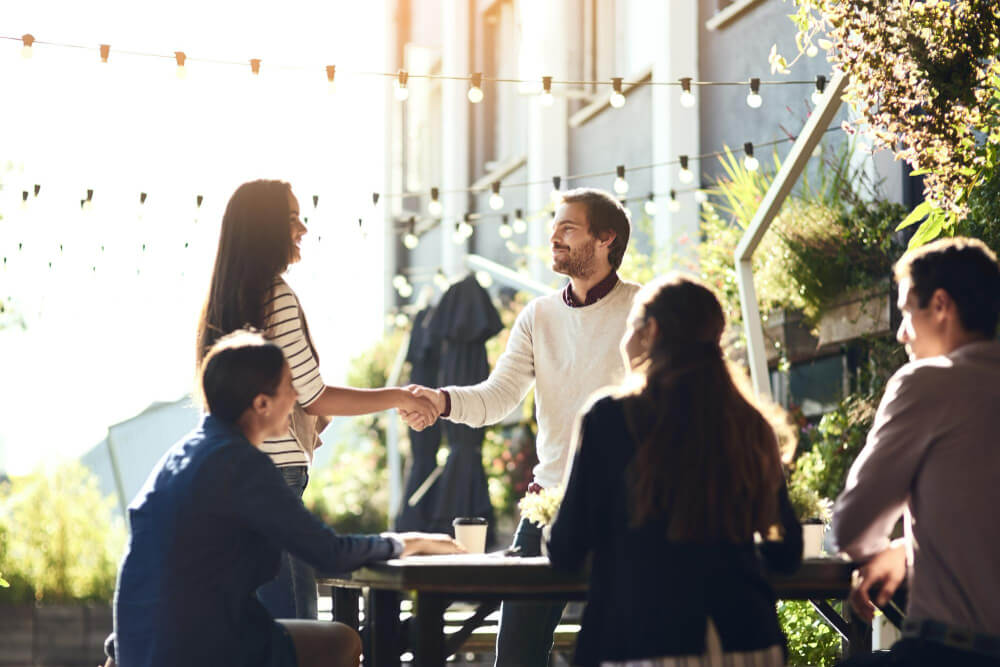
<point x="812" y="539"/>
<point x="470" y="532"/>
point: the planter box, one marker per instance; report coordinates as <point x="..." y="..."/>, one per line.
<point x="57" y="635"/>
<point x="859" y="314"/>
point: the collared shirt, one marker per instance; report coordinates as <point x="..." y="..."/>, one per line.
<point x="594" y="294"/>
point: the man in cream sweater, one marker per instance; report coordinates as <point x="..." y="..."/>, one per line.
<point x="567" y="344"/>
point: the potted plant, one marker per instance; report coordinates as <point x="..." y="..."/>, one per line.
<point x="814" y="512"/>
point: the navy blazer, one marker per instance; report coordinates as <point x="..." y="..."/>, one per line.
<point x="649" y="596"/>
<point x="207" y="529"/>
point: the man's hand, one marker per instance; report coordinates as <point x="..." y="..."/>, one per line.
<point x="428" y="543"/>
<point x="418" y="420"/>
<point x="886" y="570"/>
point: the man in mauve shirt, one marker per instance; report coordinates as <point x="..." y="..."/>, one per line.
<point x="933" y="458"/>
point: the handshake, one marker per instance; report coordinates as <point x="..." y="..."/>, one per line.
<point x="420" y="406"/>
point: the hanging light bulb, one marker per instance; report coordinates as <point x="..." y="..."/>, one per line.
<point x="441" y="280"/>
<point x="556" y="196"/>
<point x="496" y="200"/>
<point x="464" y="227"/>
<point x="621" y="185"/>
<point x="617" y="97"/>
<point x="511" y="247"/>
<point x="26" y="41"/>
<point x="504" y="230"/>
<point x="411" y="240"/>
<point x="484" y="279"/>
<point x="546" y="97"/>
<point x="24" y="199"/>
<point x="398" y="280"/>
<point x="687" y="97"/>
<point x="255" y="67"/>
<point x="700" y="196"/>
<point x="520" y="226"/>
<point x="673" y="205"/>
<point x="402" y="92"/>
<point x="476" y="88"/>
<point x="754" y="100"/>
<point x="812" y="51"/>
<point x="88" y="203"/>
<point x="181" y="71"/>
<point x="434" y="207"/>
<point x="749" y="161"/>
<point x="650" y="206"/>
<point x="405" y="290"/>
<point x="685" y="176"/>
<point x="457" y="237"/>
<point x="374" y="199"/>
<point x="331" y="75"/>
<point x="817" y="95"/>
<point x="105" y="52"/>
<point x="401" y="320"/>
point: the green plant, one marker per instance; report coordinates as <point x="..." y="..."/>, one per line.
<point x="351" y="494"/>
<point x="59" y="540"/>
<point x="540" y="508"/>
<point x="811" y="642"/>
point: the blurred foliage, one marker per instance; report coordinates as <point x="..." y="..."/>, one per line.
<point x="924" y="81"/>
<point x="811" y="642"/>
<point x="352" y="493"/>
<point x="59" y="541"/>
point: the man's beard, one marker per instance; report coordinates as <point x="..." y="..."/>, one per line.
<point x="577" y="263"/>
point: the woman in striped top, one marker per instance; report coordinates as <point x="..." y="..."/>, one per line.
<point x="260" y="237"/>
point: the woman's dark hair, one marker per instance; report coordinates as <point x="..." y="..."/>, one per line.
<point x="707" y="461"/>
<point x="255" y="246"/>
<point x="237" y="369"/>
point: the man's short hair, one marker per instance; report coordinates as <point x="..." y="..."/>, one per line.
<point x="604" y="213"/>
<point x="236" y="370"/>
<point x="964" y="268"/>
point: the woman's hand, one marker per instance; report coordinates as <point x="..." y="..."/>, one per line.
<point x="419" y="411"/>
<point x="428" y="543"/>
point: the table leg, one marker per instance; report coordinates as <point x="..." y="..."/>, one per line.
<point x="859" y="633"/>
<point x="381" y="639"/>
<point x="345" y="606"/>
<point x="428" y="629"/>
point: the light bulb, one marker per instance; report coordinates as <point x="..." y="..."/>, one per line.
<point x="26" y="42"/>
<point x="411" y="240"/>
<point x="475" y="95"/>
<point x="617" y="98"/>
<point x="441" y="281"/>
<point x="504" y="230"/>
<point x="520" y="226"/>
<point x="435" y="208"/>
<point x="511" y="247"/>
<point x="754" y="100"/>
<point x="496" y="202"/>
<point x="181" y="72"/>
<point x="484" y="279"/>
<point x="465" y="229"/>
<point x="405" y="290"/>
<point x="685" y="175"/>
<point x="673" y="205"/>
<point x="457" y="237"/>
<point x="620" y="186"/>
<point x="546" y="99"/>
<point x="402" y="93"/>
<point x="650" y="206"/>
<point x="398" y="280"/>
<point x="700" y="196"/>
<point x="331" y="83"/>
<point x="812" y="51"/>
<point x="687" y="99"/>
<point x="401" y="320"/>
<point x="817" y="97"/>
<point x="751" y="163"/>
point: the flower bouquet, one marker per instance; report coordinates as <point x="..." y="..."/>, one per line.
<point x="540" y="508"/>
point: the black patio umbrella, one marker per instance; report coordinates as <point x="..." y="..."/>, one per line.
<point x="420" y="493"/>
<point x="464" y="320"/>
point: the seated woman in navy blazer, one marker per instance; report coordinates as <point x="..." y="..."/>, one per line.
<point x="209" y="525"/>
<point x="670" y="482"/>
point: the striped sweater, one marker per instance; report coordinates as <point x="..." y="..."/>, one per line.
<point x="286" y="327"/>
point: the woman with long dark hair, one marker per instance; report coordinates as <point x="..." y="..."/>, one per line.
<point x="670" y="484"/>
<point x="260" y="237"/>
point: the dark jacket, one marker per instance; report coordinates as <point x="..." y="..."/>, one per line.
<point x="207" y="529"/>
<point x="649" y="596"/>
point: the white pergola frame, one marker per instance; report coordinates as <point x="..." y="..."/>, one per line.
<point x="784" y="181"/>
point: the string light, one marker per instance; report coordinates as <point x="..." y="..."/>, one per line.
<point x="650" y="206"/>
<point x="38" y="188"/>
<point x="520" y="226"/>
<point x="105" y="52"/>
<point x="700" y="196"/>
<point x="434" y="207"/>
<point x="398" y="280"/>
<point x="401" y="320"/>
<point x="556" y="196"/>
<point x="750" y="162"/>
<point x="180" y="57"/>
<point x="24" y="199"/>
<point x="457" y="237"/>
<point x="687" y="97"/>
<point x="475" y="93"/>
<point x="402" y="92"/>
<point x="374" y="199"/>
<point x="620" y="185"/>
<point x="411" y="240"/>
<point x="754" y="100"/>
<point x="255" y="66"/>
<point x="484" y="279"/>
<point x="496" y="199"/>
<point x="673" y="205"/>
<point x="405" y="290"/>
<point x="546" y="97"/>
<point x="441" y="280"/>
<point x="685" y="176"/>
<point x="617" y="97"/>
<point x="88" y="203"/>
<point x="315" y="201"/>
<point x="331" y="75"/>
<point x="26" y="41"/>
<point x="465" y="228"/>
<point x="817" y="95"/>
<point x="504" y="230"/>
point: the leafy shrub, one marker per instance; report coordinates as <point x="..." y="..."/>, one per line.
<point x="58" y="541"/>
<point x="811" y="642"/>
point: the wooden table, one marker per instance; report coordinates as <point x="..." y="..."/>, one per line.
<point x="434" y="582"/>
